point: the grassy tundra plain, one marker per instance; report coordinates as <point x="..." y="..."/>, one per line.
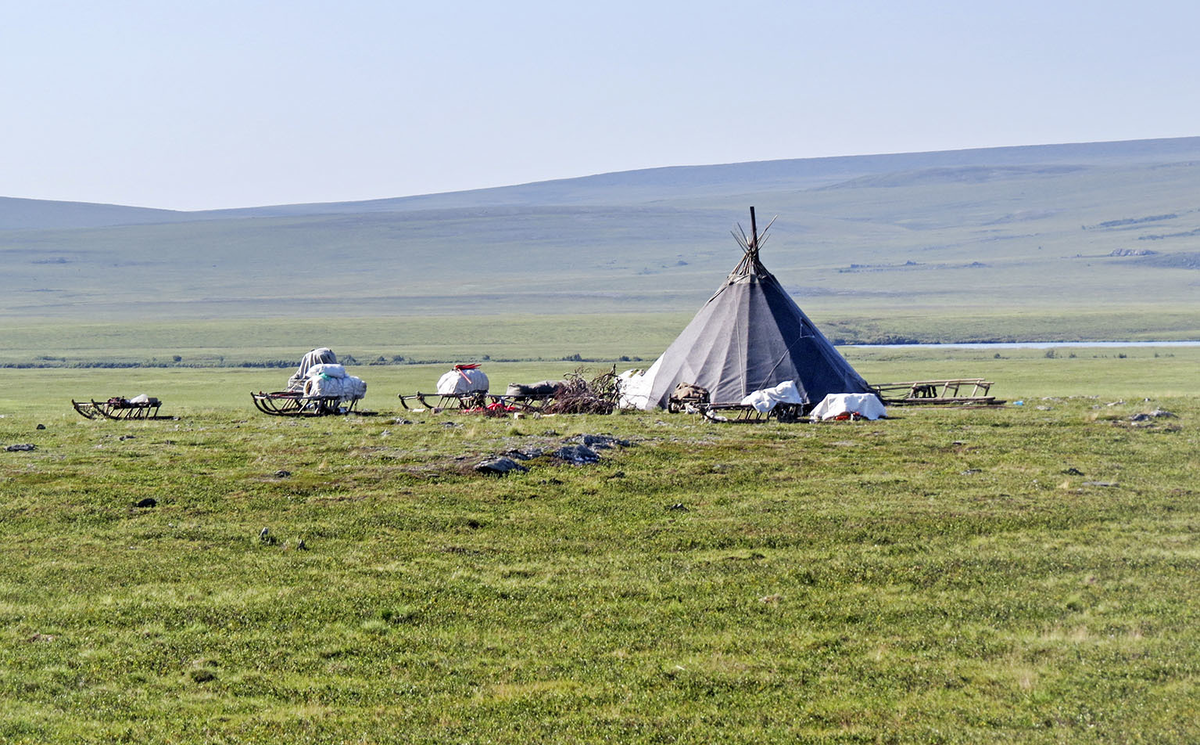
<point x="1023" y="574"/>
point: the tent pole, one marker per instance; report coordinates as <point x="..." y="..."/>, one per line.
<point x="753" y="231"/>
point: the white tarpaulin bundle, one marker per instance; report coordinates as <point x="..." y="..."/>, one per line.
<point x="463" y="379"/>
<point x="766" y="399"/>
<point x="329" y="380"/>
<point x="322" y="356"/>
<point x="866" y="405"/>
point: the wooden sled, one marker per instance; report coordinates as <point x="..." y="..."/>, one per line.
<point x="474" y="400"/>
<point x="745" y="413"/>
<point x="954" y="392"/>
<point x="119" y="408"/>
<point x="533" y="403"/>
<point x="295" y="403"/>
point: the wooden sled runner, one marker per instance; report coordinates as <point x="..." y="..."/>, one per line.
<point x="955" y="392"/>
<point x="119" y="408"/>
<point x="744" y="413"/>
<point x="295" y="403"/>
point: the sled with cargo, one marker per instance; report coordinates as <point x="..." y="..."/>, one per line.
<point x="119" y="407"/>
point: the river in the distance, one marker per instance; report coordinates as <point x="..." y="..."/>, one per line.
<point x="1028" y="345"/>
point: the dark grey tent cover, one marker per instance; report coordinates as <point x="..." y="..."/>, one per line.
<point x="751" y="335"/>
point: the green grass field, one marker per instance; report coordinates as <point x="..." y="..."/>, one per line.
<point x="530" y="338"/>
<point x="1023" y="574"/>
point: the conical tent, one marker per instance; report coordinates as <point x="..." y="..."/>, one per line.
<point x="749" y="336"/>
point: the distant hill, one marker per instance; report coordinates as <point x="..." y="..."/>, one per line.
<point x="1000" y="230"/>
<point x="654" y="184"/>
<point x="24" y="214"/>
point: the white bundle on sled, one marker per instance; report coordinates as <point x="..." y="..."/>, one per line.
<point x="462" y="379"/>
<point x="331" y="380"/>
<point x="768" y="398"/>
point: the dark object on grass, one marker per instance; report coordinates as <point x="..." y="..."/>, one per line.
<point x="500" y="467"/>
<point x="147" y="502"/>
<point x="1073" y="472"/>
<point x="202" y="676"/>
<point x="678" y="507"/>
<point x="301" y="546"/>
<point x="21" y="448"/>
<point x="265" y="536"/>
<point x="282" y="474"/>
<point x="123" y="438"/>
<point x="540" y="388"/>
<point x="577" y="454"/>
<point x="528" y="454"/>
<point x="41" y="426"/>
<point x="1156" y="414"/>
<point x="1106" y="484"/>
<point x="600" y="442"/>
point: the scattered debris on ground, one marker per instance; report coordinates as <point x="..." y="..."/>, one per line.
<point x="579" y="450"/>
<point x="21" y="448"/>
<point x="1156" y="414"/>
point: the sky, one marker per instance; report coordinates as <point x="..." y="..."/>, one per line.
<point x="213" y="104"/>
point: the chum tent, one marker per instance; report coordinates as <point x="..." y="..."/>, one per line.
<point x="750" y="335"/>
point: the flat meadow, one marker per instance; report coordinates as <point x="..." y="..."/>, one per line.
<point x="1023" y="573"/>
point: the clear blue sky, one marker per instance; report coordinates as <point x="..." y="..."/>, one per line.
<point x="222" y="104"/>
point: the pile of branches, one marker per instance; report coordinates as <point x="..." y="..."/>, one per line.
<point x="583" y="395"/>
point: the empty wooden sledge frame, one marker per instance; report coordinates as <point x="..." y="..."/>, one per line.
<point x="119" y="408"/>
<point x="295" y="403"/>
<point x="745" y="413"/>
<point x="472" y="401"/>
<point x="953" y="392"/>
<point x="532" y="403"/>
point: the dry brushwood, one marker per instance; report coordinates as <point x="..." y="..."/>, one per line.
<point x="582" y="395"/>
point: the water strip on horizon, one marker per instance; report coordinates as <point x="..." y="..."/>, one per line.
<point x="1027" y="345"/>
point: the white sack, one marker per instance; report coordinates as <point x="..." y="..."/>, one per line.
<point x="866" y="405"/>
<point x="469" y="380"/>
<point x="328" y="370"/>
<point x="766" y="399"/>
<point x="346" y="388"/>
